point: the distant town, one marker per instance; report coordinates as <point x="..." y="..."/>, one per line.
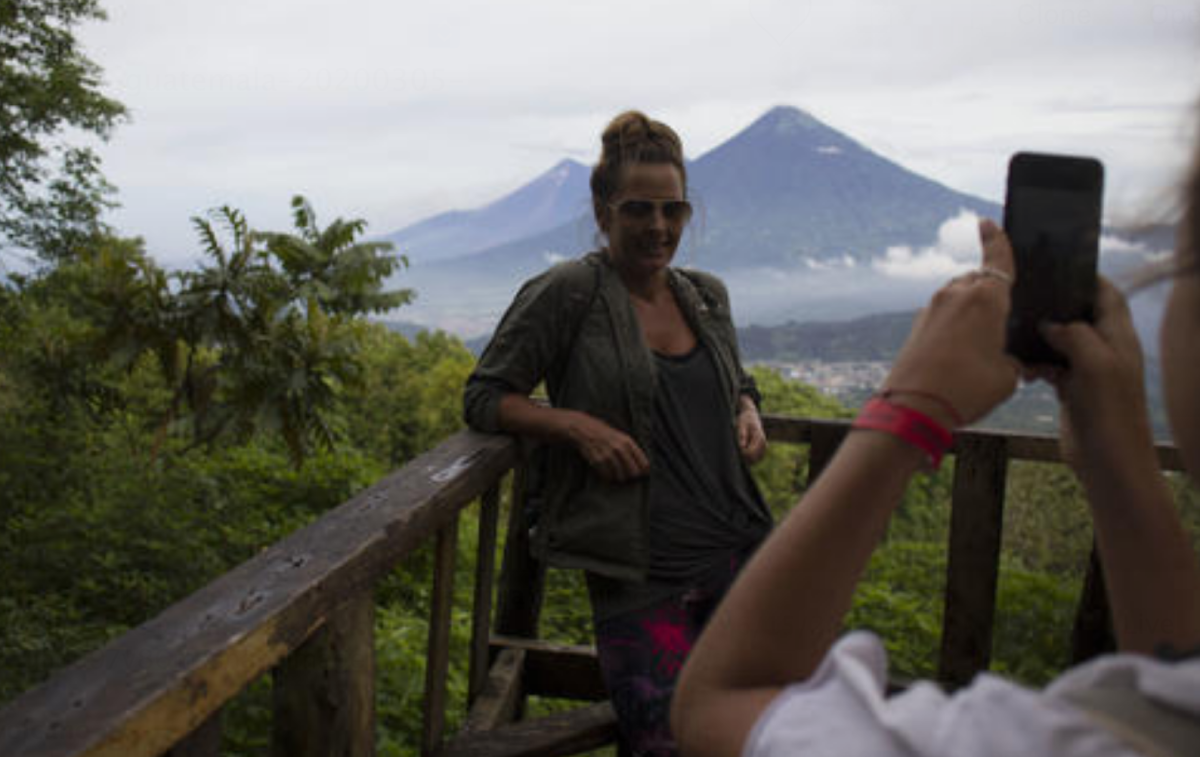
<point x="848" y="381"/>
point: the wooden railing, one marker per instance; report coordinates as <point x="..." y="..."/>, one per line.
<point x="304" y="610"/>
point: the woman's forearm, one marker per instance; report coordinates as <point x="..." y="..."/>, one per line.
<point x="612" y="453"/>
<point x="1150" y="570"/>
<point x="520" y="415"/>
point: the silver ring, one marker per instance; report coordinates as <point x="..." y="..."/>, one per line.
<point x="995" y="273"/>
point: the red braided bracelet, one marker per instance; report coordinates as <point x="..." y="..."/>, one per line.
<point x="887" y="394"/>
<point x="907" y="424"/>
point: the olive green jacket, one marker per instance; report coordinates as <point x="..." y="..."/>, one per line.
<point x="581" y="307"/>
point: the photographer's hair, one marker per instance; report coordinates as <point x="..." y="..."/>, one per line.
<point x="630" y="138"/>
<point x="1188" y="231"/>
<point x="1185" y="206"/>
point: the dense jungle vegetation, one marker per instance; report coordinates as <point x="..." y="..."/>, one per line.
<point x="158" y="428"/>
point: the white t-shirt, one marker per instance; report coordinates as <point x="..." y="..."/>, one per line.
<point x="842" y="711"/>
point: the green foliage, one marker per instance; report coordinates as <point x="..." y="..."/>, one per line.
<point x="158" y="429"/>
<point x="275" y="311"/>
<point x="51" y="192"/>
<point x="783" y="473"/>
<point x="1032" y="632"/>
<point x="247" y="342"/>
<point x="900" y="598"/>
<point x="409" y="394"/>
<point x="331" y="268"/>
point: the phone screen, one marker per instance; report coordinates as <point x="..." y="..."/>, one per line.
<point x="1052" y="217"/>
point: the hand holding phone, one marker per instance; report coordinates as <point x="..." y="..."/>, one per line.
<point x="1052" y="211"/>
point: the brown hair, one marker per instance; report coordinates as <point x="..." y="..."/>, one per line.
<point x="630" y="138"/>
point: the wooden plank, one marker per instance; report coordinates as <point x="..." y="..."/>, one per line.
<point x="1021" y="446"/>
<point x="562" y="733"/>
<point x="324" y="692"/>
<point x="154" y="685"/>
<point x="522" y="578"/>
<point x="1092" y="634"/>
<point x="205" y="741"/>
<point x="973" y="565"/>
<point x="501" y="694"/>
<point x="826" y="438"/>
<point x="437" y="659"/>
<point x="485" y="577"/>
<point x="563" y="671"/>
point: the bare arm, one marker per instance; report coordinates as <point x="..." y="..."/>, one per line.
<point x="787" y="607"/>
<point x="1150" y="570"/>
<point x="614" y="454"/>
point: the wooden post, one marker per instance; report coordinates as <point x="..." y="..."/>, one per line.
<point x="522" y="578"/>
<point x="485" y="576"/>
<point x="437" y="659"/>
<point x="205" y="741"/>
<point x="973" y="567"/>
<point x="500" y="696"/>
<point x="825" y="442"/>
<point x="324" y="693"/>
<point x="1092" y="634"/>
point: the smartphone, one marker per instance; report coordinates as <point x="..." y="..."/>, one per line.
<point x="1052" y="210"/>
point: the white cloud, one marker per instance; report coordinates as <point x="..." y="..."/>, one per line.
<point x="552" y="257"/>
<point x="1120" y="246"/>
<point x="955" y="251"/>
<point x="829" y="264"/>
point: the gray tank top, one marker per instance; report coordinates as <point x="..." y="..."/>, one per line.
<point x="704" y="507"/>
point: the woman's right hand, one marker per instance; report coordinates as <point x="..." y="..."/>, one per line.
<point x="956" y="348"/>
<point x="1103" y="396"/>
<point x="612" y="453"/>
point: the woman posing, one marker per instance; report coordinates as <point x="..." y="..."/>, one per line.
<point x="769" y="676"/>
<point x="651" y="424"/>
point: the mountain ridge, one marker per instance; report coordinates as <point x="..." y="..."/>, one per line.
<point x="551" y="198"/>
<point x="803" y="223"/>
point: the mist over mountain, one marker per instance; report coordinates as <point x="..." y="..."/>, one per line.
<point x="802" y="222"/>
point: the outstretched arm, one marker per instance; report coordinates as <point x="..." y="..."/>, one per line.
<point x="1150" y="570"/>
<point x="787" y="607"/>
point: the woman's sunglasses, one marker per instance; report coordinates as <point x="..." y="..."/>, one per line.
<point x="674" y="211"/>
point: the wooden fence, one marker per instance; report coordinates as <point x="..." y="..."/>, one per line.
<point x="304" y="610"/>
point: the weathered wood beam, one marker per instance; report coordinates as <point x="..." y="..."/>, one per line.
<point x="154" y="685"/>
<point x="205" y="741"/>
<point x="485" y="579"/>
<point x="563" y="671"/>
<point x="501" y="694"/>
<point x="824" y="445"/>
<point x="522" y="578"/>
<point x="1021" y="446"/>
<point x="973" y="565"/>
<point x="324" y="692"/>
<point x="562" y="733"/>
<point x="437" y="659"/>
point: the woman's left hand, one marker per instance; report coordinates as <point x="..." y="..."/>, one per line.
<point x="752" y="440"/>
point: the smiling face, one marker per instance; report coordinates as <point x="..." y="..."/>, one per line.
<point x="641" y="245"/>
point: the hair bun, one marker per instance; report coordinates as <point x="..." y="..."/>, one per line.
<point x="632" y="137"/>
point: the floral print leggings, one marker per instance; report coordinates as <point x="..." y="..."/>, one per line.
<point x="641" y="654"/>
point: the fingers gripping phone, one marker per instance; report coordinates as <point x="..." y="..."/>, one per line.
<point x="1052" y="213"/>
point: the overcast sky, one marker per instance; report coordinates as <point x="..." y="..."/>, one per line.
<point x="392" y="110"/>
